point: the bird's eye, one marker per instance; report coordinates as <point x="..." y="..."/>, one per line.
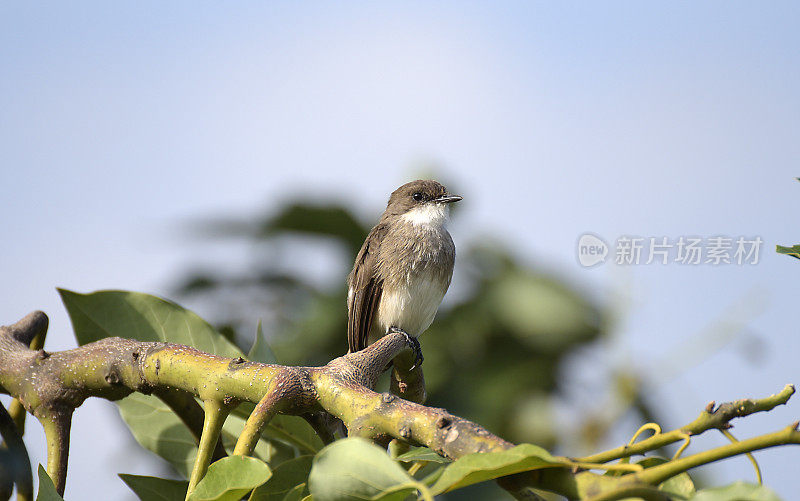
<point x="417" y="196"/>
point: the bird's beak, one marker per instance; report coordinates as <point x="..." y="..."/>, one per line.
<point x="446" y="199"/>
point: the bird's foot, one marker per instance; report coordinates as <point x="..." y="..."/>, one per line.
<point x="413" y="343"/>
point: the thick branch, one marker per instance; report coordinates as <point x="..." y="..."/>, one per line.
<point x="52" y="385"/>
<point x="114" y="367"/>
<point x="36" y="326"/>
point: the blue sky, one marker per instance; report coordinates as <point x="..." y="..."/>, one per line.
<point x="121" y="121"/>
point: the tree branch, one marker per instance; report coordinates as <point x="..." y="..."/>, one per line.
<point x="710" y="418"/>
<point x="52" y="385"/>
<point x="56" y="423"/>
<point x="658" y="474"/>
<point x="216" y="412"/>
<point x="37" y="327"/>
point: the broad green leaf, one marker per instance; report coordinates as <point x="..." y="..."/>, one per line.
<point x="260" y="351"/>
<point x="286" y="477"/>
<point x="154" y="488"/>
<point x="357" y="469"/>
<point x="161" y="431"/>
<point x="295" y="494"/>
<point x="332" y="220"/>
<point x="295" y="431"/>
<point x="47" y="490"/>
<point x="680" y="485"/>
<point x="737" y="491"/>
<point x="143" y="317"/>
<point x="231" y="478"/>
<point x="541" y="312"/>
<point x="479" y="467"/>
<point x="421" y="454"/>
<point x="793" y="251"/>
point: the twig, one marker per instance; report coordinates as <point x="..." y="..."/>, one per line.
<point x="662" y="472"/>
<point x="264" y="411"/>
<point x="56" y="424"/>
<point x="749" y="455"/>
<point x="216" y="412"/>
<point x="190" y="413"/>
<point x="710" y="418"/>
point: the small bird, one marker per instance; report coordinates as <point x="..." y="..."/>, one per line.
<point x="404" y="267"/>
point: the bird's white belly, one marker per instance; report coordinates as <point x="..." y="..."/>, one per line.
<point x="410" y="308"/>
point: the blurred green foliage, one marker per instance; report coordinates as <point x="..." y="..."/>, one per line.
<point x="492" y="356"/>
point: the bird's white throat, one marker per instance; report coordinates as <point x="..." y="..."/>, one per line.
<point x="429" y="214"/>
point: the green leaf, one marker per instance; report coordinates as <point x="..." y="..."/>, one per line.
<point x="143" y="317"/>
<point x="680" y="486"/>
<point x="154" y="488"/>
<point x="421" y="454"/>
<point x="737" y="491"/>
<point x="357" y="469"/>
<point x="479" y="467"/>
<point x="326" y="220"/>
<point x="295" y="431"/>
<point x="159" y="430"/>
<point x="285" y="479"/>
<point x="793" y="251"/>
<point x="295" y="494"/>
<point x="260" y="351"/>
<point x="231" y="478"/>
<point x="47" y="490"/>
<point x="540" y="311"/>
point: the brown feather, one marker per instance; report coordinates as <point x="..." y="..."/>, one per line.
<point x="366" y="289"/>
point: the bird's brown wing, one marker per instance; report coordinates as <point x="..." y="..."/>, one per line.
<point x="365" y="289"/>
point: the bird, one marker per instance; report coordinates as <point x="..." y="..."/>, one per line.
<point x="403" y="269"/>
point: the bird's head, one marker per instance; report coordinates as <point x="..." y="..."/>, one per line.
<point x="421" y="202"/>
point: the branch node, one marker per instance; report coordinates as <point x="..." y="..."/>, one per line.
<point x="112" y="378"/>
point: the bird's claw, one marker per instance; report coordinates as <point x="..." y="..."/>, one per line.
<point x="413" y="343"/>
